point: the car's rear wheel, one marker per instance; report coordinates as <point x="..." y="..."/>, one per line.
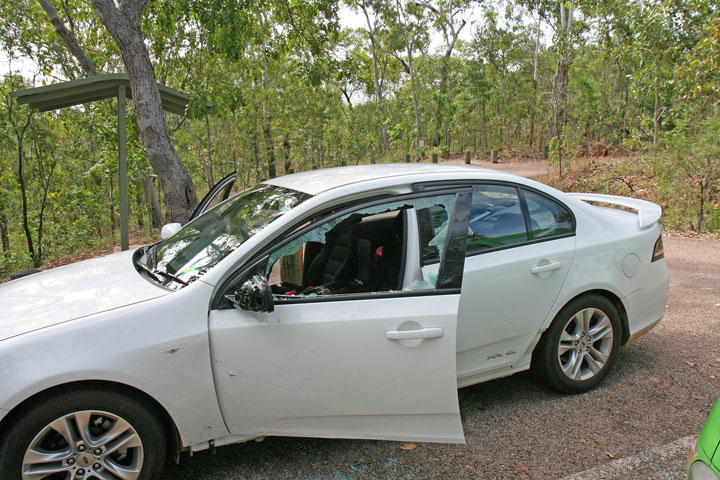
<point x="82" y="435"/>
<point x="581" y="345"/>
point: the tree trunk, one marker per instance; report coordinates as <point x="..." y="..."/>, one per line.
<point x="69" y="38"/>
<point x="411" y="70"/>
<point x="560" y="80"/>
<point x="286" y="153"/>
<point x="209" y="149"/>
<point x="4" y="233"/>
<point x="267" y="132"/>
<point x="376" y="78"/>
<point x="112" y="204"/>
<point x="152" y="200"/>
<point x="23" y="194"/>
<point x="123" y="23"/>
<point x="536" y="61"/>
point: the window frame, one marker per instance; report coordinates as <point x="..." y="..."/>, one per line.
<point x="311" y="221"/>
<point x="520" y="188"/>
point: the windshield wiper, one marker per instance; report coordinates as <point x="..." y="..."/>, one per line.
<point x="154" y="274"/>
<point x="149" y="271"/>
<point x="170" y="276"/>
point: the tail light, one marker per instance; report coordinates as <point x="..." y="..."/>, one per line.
<point x="658" y="250"/>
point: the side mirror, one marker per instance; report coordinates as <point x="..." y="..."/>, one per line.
<point x="169" y="229"/>
<point x="255" y="295"/>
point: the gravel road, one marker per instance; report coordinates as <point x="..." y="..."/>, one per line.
<point x="636" y="425"/>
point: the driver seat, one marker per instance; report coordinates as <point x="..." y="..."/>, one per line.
<point x="337" y="259"/>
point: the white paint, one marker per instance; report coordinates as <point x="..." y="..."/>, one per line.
<point x="319" y="369"/>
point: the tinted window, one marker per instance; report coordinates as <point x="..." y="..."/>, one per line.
<point x="496" y="219"/>
<point x="547" y="217"/>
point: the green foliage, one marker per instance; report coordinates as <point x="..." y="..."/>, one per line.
<point x="277" y="78"/>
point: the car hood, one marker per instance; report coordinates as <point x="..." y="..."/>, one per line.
<point x="72" y="291"/>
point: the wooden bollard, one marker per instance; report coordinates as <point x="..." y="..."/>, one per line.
<point x="545" y="152"/>
<point x="494" y="155"/>
<point x="407" y="158"/>
<point x="467" y="157"/>
<point x="435" y="157"/>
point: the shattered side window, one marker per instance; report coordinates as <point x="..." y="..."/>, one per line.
<point x="361" y="252"/>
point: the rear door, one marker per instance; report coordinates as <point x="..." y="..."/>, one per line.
<point x="362" y="361"/>
<point x="520" y="249"/>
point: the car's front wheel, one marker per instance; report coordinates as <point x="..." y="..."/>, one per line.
<point x="581" y="345"/>
<point x="82" y="435"/>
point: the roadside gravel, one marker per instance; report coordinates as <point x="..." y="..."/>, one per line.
<point x="660" y="392"/>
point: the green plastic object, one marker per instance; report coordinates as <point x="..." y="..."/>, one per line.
<point x="707" y="455"/>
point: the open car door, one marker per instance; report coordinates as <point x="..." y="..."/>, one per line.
<point x="376" y="364"/>
<point x="218" y="193"/>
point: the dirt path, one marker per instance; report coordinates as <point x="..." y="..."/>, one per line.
<point x="643" y="415"/>
<point x="528" y="169"/>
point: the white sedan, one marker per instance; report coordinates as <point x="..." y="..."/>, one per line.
<point x="342" y="303"/>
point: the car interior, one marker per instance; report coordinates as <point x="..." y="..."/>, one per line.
<point x="359" y="254"/>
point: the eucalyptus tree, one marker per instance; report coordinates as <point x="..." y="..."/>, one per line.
<point x="449" y="18"/>
<point x="375" y="13"/>
<point x="411" y="25"/>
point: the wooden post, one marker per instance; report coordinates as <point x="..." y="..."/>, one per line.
<point x="435" y="157"/>
<point x="407" y="158"/>
<point x="467" y="157"/>
<point x="494" y="155"/>
<point x="122" y="169"/>
<point x="314" y="166"/>
<point x="545" y="152"/>
<point x="372" y="158"/>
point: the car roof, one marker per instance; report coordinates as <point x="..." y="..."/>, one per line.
<point x="314" y="182"/>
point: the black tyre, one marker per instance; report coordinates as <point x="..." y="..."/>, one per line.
<point x="81" y="435"/>
<point x="581" y="345"/>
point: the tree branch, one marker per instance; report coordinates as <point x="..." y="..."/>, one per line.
<point x="68" y="38"/>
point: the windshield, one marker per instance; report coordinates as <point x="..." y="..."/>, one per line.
<point x="205" y="241"/>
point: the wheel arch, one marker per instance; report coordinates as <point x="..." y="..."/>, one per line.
<point x="610" y="296"/>
<point x="172" y="434"/>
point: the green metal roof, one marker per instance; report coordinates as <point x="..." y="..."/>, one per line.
<point x="90" y="89"/>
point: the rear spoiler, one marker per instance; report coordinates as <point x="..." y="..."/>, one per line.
<point x="648" y="212"/>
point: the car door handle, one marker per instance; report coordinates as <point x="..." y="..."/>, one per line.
<point x="432" y="332"/>
<point x="549" y="267"/>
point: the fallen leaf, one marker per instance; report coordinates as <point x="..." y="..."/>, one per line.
<point x="690" y="363"/>
<point x="718" y="305"/>
<point x="713" y="377"/>
<point x="610" y="454"/>
<point x="654" y="380"/>
<point x="524" y="470"/>
<point x="409" y="446"/>
<point x="582" y="440"/>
